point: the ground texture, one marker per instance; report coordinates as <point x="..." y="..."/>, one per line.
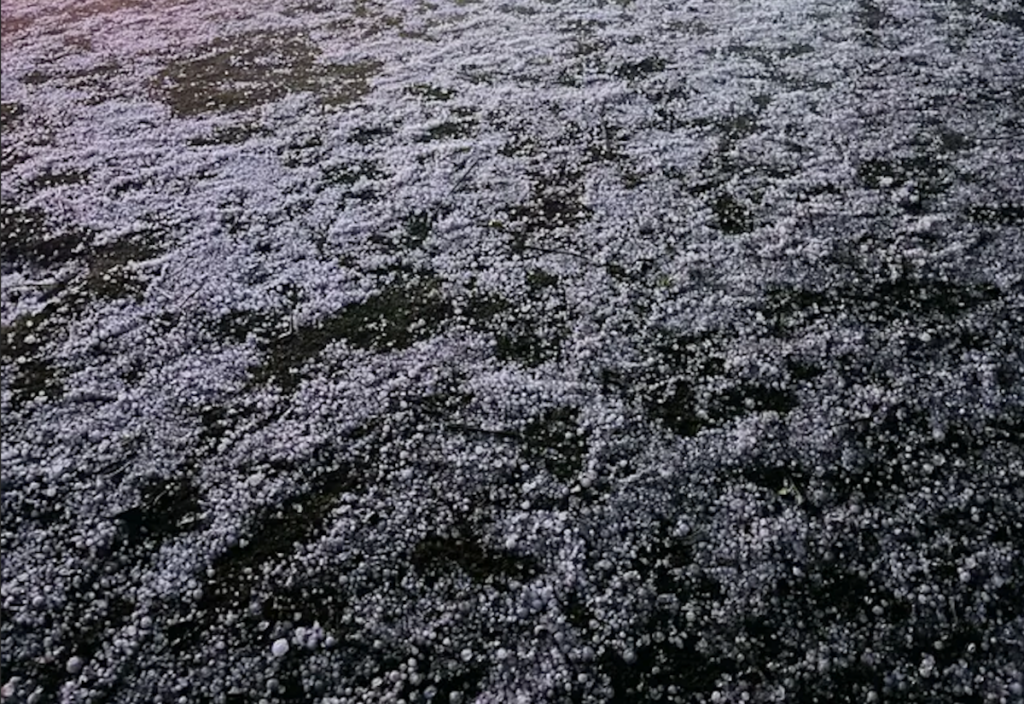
<point x="526" y="351"/>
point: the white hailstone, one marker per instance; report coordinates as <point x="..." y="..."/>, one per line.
<point x="927" y="667"/>
<point x="455" y="697"/>
<point x="629" y="655"/>
<point x="466" y="654"/>
<point x="74" y="665"/>
<point x="280" y="647"/>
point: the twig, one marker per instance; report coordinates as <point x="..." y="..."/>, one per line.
<point x="92" y="397"/>
<point x="566" y="252"/>
<point x="464" y="176"/>
<point x="191" y="294"/>
<point x="463" y="428"/>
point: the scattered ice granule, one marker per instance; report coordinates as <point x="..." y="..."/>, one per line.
<point x="280" y="647"/>
<point x="927" y="668"/>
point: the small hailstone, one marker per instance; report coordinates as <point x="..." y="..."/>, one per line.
<point x="466" y="654"/>
<point x="74" y="665"/>
<point x="280" y="647"/>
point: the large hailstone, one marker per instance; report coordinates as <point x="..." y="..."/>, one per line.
<point x="279" y="648"/>
<point x="74" y="665"/>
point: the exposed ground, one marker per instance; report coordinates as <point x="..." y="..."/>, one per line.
<point x="536" y="351"/>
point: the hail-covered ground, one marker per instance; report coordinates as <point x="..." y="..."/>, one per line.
<point x="525" y="351"/>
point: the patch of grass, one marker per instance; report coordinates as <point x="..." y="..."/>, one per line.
<point x="27" y="372"/>
<point x="291" y="522"/>
<point x="894" y="172"/>
<point x="639" y="69"/>
<point x="668" y="392"/>
<point x="676" y="407"/>
<point x="394" y="319"/>
<point x="926" y="174"/>
<point x="1005" y="214"/>
<point x="345" y="84"/>
<point x="164" y="508"/>
<point x="229" y="134"/>
<point x="461" y="126"/>
<point x="732" y="128"/>
<point x="49" y="178"/>
<point x="346" y="173"/>
<point x="238" y="325"/>
<point x="431" y="93"/>
<point x="538" y="279"/>
<point x="745" y="398"/>
<point x="553" y="442"/>
<point x="11" y="113"/>
<point x="879" y="300"/>
<point x="518" y="340"/>
<point x="418" y="226"/>
<point x="368" y="134"/>
<point x="674" y="662"/>
<point x="731" y="216"/>
<point x="435" y="555"/>
<point x="252" y="69"/>
<point x="555" y="202"/>
<point x="280" y="528"/>
<point x="27" y="237"/>
<point x="481" y="308"/>
<point x="110" y="276"/>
